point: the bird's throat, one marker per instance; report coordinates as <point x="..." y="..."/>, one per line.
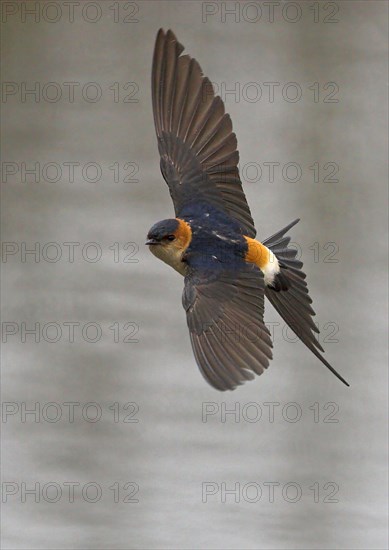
<point x="171" y="255"/>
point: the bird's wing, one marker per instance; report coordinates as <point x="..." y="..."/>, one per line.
<point x="294" y="304"/>
<point x="199" y="157"/>
<point x="225" y="318"/>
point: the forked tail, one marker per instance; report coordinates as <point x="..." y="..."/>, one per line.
<point x="290" y="295"/>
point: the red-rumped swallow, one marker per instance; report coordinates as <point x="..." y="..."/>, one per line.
<point x="211" y="241"/>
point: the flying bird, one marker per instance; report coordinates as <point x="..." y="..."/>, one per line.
<point x="211" y="241"/>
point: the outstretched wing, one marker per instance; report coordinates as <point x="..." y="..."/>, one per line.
<point x="199" y="157"/>
<point x="294" y="304"/>
<point x="225" y="318"/>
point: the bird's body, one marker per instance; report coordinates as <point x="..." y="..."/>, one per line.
<point x="211" y="241"/>
<point x="196" y="236"/>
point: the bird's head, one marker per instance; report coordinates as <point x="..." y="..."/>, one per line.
<point x="168" y="240"/>
<point x="163" y="233"/>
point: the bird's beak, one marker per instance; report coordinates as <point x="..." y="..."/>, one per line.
<point x="151" y="241"/>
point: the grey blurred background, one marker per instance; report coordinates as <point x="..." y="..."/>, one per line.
<point x="163" y="481"/>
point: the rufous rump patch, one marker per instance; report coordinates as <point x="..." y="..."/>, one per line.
<point x="257" y="253"/>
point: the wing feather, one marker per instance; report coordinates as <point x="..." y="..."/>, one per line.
<point x="225" y="319"/>
<point x="199" y="157"/>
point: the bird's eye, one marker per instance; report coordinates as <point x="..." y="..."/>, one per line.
<point x="170" y="237"/>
